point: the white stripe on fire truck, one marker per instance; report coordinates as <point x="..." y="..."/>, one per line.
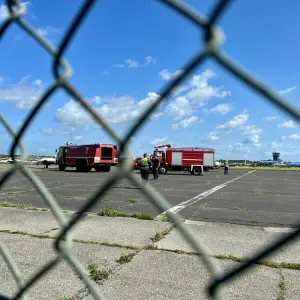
<point x="177" y="208"/>
<point x="192" y="159"/>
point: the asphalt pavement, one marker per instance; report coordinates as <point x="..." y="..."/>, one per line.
<point x="262" y="198"/>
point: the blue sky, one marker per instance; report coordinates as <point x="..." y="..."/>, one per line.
<point x="127" y="50"/>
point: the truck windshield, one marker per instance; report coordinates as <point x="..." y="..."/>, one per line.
<point x="158" y="153"/>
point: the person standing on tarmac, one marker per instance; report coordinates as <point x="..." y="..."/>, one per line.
<point x="226" y="167"/>
<point x="155" y="166"/>
<point x="145" y="167"/>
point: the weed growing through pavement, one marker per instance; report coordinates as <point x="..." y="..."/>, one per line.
<point x="67" y="298"/>
<point x="132" y="200"/>
<point x="125" y="258"/>
<point x="21" y="206"/>
<point x="271" y="264"/>
<point x="240" y="209"/>
<point x="162" y="218"/>
<point x="282" y="288"/>
<point x="160" y="235"/>
<point x="98" y="274"/>
<point x="57" y="196"/>
<point x="116" y="213"/>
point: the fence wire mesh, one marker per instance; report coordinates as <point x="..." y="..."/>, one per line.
<point x="213" y="37"/>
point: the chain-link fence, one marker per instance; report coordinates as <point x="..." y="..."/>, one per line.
<point x="62" y="73"/>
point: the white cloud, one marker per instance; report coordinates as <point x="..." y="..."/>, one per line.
<point x="48" y="31"/>
<point x="212" y="136"/>
<point x="97" y="100"/>
<point x="116" y="110"/>
<point x="236" y="148"/>
<point x="185" y="123"/>
<point x="119" y="65"/>
<point x="179" y="108"/>
<point x="288" y="124"/>
<point x="130" y="63"/>
<point x="77" y="137"/>
<point x="158" y="141"/>
<point x="52" y="131"/>
<point x="197" y="94"/>
<point x="200" y="92"/>
<point x="150" y="60"/>
<point x="287" y="91"/>
<point x="253" y="134"/>
<point x="222" y="109"/>
<point x="271" y="118"/>
<point x="236" y="122"/>
<point x="4" y="12"/>
<point x="294" y="136"/>
<point x="166" y="75"/>
<point x="38" y="82"/>
<point x="23" y="94"/>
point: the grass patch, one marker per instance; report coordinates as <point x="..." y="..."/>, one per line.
<point x="143" y="216"/>
<point x="125" y="258"/>
<point x="67" y="298"/>
<point x="150" y="247"/>
<point x="271" y="264"/>
<point x="45" y="236"/>
<point x="132" y="200"/>
<point x="116" y="213"/>
<point x="90" y="197"/>
<point x="240" y="209"/>
<point x="21" y="206"/>
<point x="57" y="196"/>
<point x="162" y="218"/>
<point x="40" y="236"/>
<point x="98" y="274"/>
<point x="108" y="244"/>
<point x="160" y="235"/>
<point x="282" y="288"/>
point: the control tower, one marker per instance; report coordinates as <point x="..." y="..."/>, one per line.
<point x="276" y="155"/>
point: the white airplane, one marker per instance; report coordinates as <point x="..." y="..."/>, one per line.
<point x="46" y="161"/>
<point x="12" y="160"/>
<point x="217" y="164"/>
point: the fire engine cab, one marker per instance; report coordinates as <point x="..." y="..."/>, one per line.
<point x="85" y="157"/>
<point x="194" y="160"/>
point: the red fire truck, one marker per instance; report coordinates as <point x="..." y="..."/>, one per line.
<point x="194" y="160"/>
<point x="85" y="157"/>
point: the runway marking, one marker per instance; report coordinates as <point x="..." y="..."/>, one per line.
<point x="267" y="229"/>
<point x="256" y="176"/>
<point x="175" y="209"/>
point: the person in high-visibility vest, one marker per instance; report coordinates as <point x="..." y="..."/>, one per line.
<point x="226" y="167"/>
<point x="145" y="167"/>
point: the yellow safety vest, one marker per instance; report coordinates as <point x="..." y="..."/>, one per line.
<point x="144" y="162"/>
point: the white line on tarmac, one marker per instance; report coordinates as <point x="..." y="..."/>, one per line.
<point x="175" y="209"/>
<point x="268" y="229"/>
<point x="256" y="176"/>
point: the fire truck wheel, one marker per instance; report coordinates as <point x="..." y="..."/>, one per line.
<point x="162" y="170"/>
<point x="106" y="169"/>
<point x="98" y="169"/>
<point x="196" y="171"/>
